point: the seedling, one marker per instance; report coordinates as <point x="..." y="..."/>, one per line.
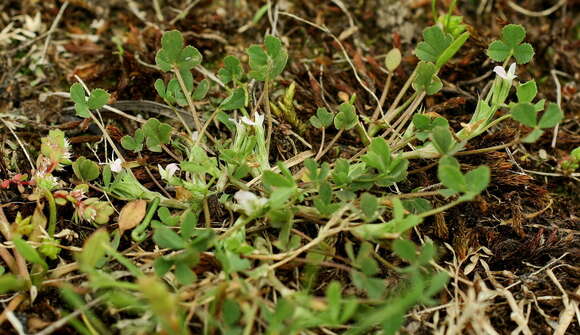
<point x="83" y="104"/>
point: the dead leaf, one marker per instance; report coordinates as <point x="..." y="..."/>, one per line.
<point x="132" y="214"/>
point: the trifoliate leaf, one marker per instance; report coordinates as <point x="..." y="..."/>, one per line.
<point x="322" y="119"/>
<point x="346" y="117"/>
<point x="434" y="44"/>
<point x="426" y="79"/>
<point x="509" y="45"/>
<point x="133" y="143"/>
<point x="232" y="70"/>
<point x="156" y="134"/>
<point x="267" y="64"/>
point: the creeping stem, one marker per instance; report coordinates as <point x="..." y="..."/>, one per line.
<point x="138" y="234"/>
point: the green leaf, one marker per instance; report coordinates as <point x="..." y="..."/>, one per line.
<point x="188" y="58"/>
<point x="156" y="133"/>
<point x="82" y="110"/>
<point x="267" y="64"/>
<point x="509" y="45"/>
<point x="426" y="79"/>
<point x="172" y="43"/>
<point x="552" y="116"/>
<point x="167" y="238"/>
<point x="524" y="53"/>
<point x="236" y="100"/>
<point x="231" y="312"/>
<point x="133" y="143"/>
<point x="160" y="88"/>
<point x="450" y="175"/>
<point x="434" y="44"/>
<point x="322" y="119"/>
<point x="188" y="225"/>
<point x="201" y="90"/>
<point x="477" y="179"/>
<point x="9" y="283"/>
<point x="77" y="93"/>
<point x="369" y="205"/>
<point x="28" y="252"/>
<point x="527" y="92"/>
<point x="165" y="215"/>
<point x="378" y="155"/>
<point x="533" y="136"/>
<point x="232" y="70"/>
<point x="421" y="122"/>
<point x="525" y="113"/>
<point x="443" y="140"/>
<point x="85" y="169"/>
<point x="278" y="54"/>
<point x="513" y="34"/>
<point x="272" y="179"/>
<point x="393" y="59"/>
<point x="184" y="274"/>
<point x="346" y="118"/>
<point x="161" y="266"/>
<point x="499" y="51"/>
<point x="451" y="50"/>
<point x="405" y="249"/>
<point x="98" y="98"/>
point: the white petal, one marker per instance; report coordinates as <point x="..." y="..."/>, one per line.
<point x="500" y="71"/>
<point x="248" y="121"/>
<point x="242" y="196"/>
<point x="195" y="136"/>
<point x="171" y="169"/>
<point x="116" y="165"/>
<point x="259" y="119"/>
<point x="512" y="72"/>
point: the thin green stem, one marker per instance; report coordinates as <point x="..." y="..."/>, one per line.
<point x="408" y="83"/>
<point x="138" y="234"/>
<point x="188" y="98"/>
<point x="52" y="213"/>
<point x="268" y="115"/>
<point x="441" y="209"/>
<point x="334" y="139"/>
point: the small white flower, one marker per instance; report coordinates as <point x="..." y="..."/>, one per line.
<point x="248" y="121"/>
<point x="510" y="75"/>
<point x="169" y="170"/>
<point x="195" y="136"/>
<point x="259" y="120"/>
<point x="116" y="165"/>
<point x="249" y="202"/>
<point x="33" y="24"/>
